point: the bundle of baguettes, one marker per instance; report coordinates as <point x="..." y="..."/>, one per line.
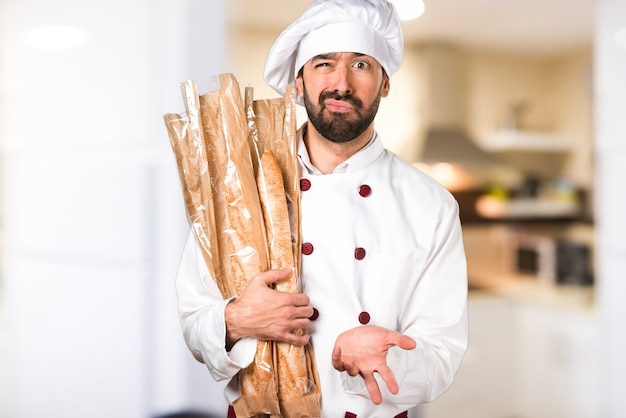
<point x="239" y="173"/>
<point x="273" y="140"/>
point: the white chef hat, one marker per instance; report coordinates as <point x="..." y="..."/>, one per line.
<point x="369" y="27"/>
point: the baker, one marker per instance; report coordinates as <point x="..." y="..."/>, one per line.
<point x="384" y="283"/>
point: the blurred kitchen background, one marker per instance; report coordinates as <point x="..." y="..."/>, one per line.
<point x="516" y="107"/>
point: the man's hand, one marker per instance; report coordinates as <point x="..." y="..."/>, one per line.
<point x="267" y="314"/>
<point x="363" y="350"/>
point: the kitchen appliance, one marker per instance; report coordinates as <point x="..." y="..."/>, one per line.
<point x="534" y="255"/>
<point x="573" y="264"/>
<point x="551" y="260"/>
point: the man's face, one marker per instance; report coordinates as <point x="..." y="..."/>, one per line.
<point x="341" y="93"/>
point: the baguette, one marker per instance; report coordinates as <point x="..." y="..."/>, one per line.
<point x="291" y="360"/>
<point x="275" y="120"/>
<point x="242" y="200"/>
<point x="241" y="232"/>
<point x="197" y="194"/>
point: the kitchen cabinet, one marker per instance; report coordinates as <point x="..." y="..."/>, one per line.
<point x="525" y="359"/>
<point x="526" y="141"/>
<point x="483" y="387"/>
<point x="557" y="363"/>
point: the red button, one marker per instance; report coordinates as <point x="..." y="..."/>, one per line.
<point x="316" y="313"/>
<point x="364" y="318"/>
<point x="305" y="184"/>
<point x="359" y="253"/>
<point x="349" y="415"/>
<point x="307" y="248"/>
<point x="365" y="190"/>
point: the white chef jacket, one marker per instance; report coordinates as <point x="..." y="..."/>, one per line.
<point x="382" y="245"/>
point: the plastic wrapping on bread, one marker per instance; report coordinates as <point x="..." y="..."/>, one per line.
<point x="239" y="173"/>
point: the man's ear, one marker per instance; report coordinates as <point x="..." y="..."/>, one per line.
<point x="300" y="85"/>
<point x="384" y="91"/>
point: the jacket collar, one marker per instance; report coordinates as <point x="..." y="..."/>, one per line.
<point x="363" y="158"/>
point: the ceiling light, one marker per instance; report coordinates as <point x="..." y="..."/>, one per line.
<point x="620" y="38"/>
<point x="55" y="37"/>
<point x="409" y="9"/>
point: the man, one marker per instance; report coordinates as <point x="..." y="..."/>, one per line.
<point x="384" y="284"/>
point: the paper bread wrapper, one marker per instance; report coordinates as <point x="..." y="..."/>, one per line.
<point x="241" y="194"/>
<point x="272" y="132"/>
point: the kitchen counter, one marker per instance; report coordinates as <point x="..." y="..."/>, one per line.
<point x="529" y="289"/>
<point x="489" y="263"/>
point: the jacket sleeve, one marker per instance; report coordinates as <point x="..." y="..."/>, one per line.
<point x="435" y="316"/>
<point x="201" y="314"/>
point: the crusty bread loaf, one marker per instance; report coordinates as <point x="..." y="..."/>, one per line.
<point x="275" y="121"/>
<point x="258" y="378"/>
<point x="240" y="230"/>
<point x="187" y="141"/>
<point x="276" y="217"/>
<point x="291" y="360"/>
<point x="238" y="235"/>
<point x="238" y="211"/>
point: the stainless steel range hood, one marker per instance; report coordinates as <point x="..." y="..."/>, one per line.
<point x="441" y="69"/>
<point x="455" y="146"/>
<point x="451" y="158"/>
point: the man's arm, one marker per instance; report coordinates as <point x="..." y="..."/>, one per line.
<point x="222" y="333"/>
<point x="266" y="314"/>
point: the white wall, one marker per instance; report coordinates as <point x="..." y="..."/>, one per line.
<point x="92" y="215"/>
<point x="610" y="171"/>
<point x="557" y="93"/>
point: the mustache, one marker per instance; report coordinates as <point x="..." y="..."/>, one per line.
<point x="354" y="101"/>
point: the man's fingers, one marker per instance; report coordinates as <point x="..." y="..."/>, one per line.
<point x="373" y="389"/>
<point x="273" y="276"/>
<point x="405" y="342"/>
<point x="301" y="322"/>
<point x="336" y="359"/>
<point x="295" y="299"/>
<point x="300" y="299"/>
<point x="390" y="379"/>
<point x="350" y="368"/>
<point x="297" y="340"/>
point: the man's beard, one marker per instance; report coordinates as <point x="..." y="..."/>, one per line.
<point x="341" y="127"/>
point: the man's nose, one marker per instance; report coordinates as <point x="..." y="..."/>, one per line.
<point x="342" y="80"/>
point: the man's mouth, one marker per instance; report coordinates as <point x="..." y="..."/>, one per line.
<point x="338" y="106"/>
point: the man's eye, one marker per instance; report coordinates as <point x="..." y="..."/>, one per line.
<point x="322" y="64"/>
<point x="361" y="65"/>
